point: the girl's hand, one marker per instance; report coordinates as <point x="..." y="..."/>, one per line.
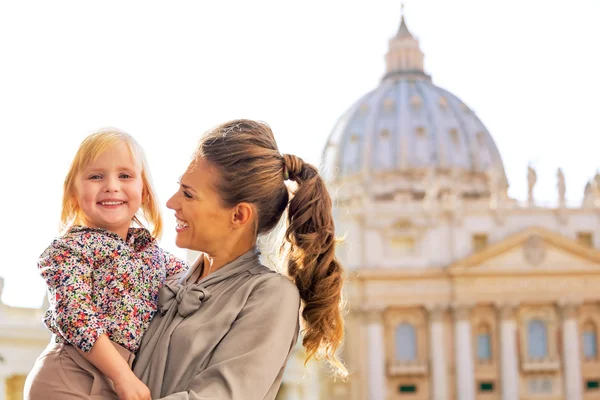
<point x="129" y="387"/>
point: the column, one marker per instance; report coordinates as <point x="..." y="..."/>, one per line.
<point x="375" y="355"/>
<point x="311" y="387"/>
<point x="292" y="391"/>
<point x="2" y="386"/>
<point x="508" y="352"/>
<point x="571" y="352"/>
<point x="465" y="373"/>
<point x="294" y="371"/>
<point x="437" y="353"/>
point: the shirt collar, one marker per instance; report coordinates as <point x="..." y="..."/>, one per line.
<point x="137" y="238"/>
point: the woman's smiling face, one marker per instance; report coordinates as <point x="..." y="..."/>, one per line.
<point x="203" y="223"/>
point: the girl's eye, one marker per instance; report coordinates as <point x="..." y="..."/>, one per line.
<point x="95" y="177"/>
<point x="124" y="176"/>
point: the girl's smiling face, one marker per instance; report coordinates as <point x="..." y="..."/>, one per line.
<point x="109" y="190"/>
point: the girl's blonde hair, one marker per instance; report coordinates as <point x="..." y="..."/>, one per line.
<point x="89" y="150"/>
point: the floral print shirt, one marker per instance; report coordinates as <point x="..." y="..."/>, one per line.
<point x="100" y="284"/>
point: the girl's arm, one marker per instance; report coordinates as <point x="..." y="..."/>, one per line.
<point x="175" y="266"/>
<point x="68" y="275"/>
<point x="107" y="359"/>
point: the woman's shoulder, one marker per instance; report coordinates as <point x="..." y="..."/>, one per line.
<point x="274" y="285"/>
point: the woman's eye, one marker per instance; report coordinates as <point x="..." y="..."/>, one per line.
<point x="186" y="194"/>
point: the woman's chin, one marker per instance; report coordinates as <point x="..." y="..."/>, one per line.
<point x="181" y="241"/>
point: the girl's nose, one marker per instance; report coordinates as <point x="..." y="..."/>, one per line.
<point x="111" y="185"/>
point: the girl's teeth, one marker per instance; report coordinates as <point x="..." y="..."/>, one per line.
<point x="111" y="203"/>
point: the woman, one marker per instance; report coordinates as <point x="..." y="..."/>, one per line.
<point x="226" y="330"/>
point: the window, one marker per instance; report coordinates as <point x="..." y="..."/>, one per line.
<point x="407" y="388"/>
<point x="590" y="341"/>
<point x="384" y="197"/>
<point x="537" y="340"/>
<point x="586" y="238"/>
<point x="14" y="387"/>
<point x="402" y="224"/>
<point x="443" y="102"/>
<point x="486" y="387"/>
<point x="384" y="158"/>
<point x="423" y="149"/>
<point x="454" y="135"/>
<point x="389" y="104"/>
<point x="484" y="344"/>
<point x="403" y="244"/>
<point x="593" y="385"/>
<point x="406" y="343"/>
<point x="351" y="154"/>
<point x="480" y="241"/>
<point x="415" y="101"/>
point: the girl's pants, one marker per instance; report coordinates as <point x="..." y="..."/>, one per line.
<point x="62" y="373"/>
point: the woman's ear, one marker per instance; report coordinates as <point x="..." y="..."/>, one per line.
<point x="242" y="214"/>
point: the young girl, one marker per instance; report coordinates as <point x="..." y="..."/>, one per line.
<point x="103" y="276"/>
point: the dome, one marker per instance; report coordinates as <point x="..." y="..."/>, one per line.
<point x="407" y="130"/>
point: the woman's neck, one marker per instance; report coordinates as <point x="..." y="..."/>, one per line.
<point x="214" y="262"/>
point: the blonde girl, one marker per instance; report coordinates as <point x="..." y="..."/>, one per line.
<point x="103" y="275"/>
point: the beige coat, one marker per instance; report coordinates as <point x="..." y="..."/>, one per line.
<point x="227" y="337"/>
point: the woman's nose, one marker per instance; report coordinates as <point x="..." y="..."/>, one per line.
<point x="172" y="203"/>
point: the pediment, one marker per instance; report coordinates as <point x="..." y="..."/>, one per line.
<point x="533" y="250"/>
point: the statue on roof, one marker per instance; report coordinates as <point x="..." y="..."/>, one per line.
<point x="531" y="181"/>
<point x="561" y="186"/>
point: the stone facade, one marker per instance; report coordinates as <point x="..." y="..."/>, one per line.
<point x="22" y="338"/>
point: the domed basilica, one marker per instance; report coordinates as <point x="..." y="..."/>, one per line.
<point x="455" y="291"/>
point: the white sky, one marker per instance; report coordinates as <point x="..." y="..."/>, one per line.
<point x="167" y="71"/>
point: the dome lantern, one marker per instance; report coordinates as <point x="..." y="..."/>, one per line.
<point x="404" y="57"/>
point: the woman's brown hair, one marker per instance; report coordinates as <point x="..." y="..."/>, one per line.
<point x="252" y="170"/>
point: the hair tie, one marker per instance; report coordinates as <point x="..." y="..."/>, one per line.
<point x="286" y="174"/>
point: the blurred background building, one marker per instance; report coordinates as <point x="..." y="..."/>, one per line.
<point x="22" y="339"/>
<point x="455" y="291"/>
